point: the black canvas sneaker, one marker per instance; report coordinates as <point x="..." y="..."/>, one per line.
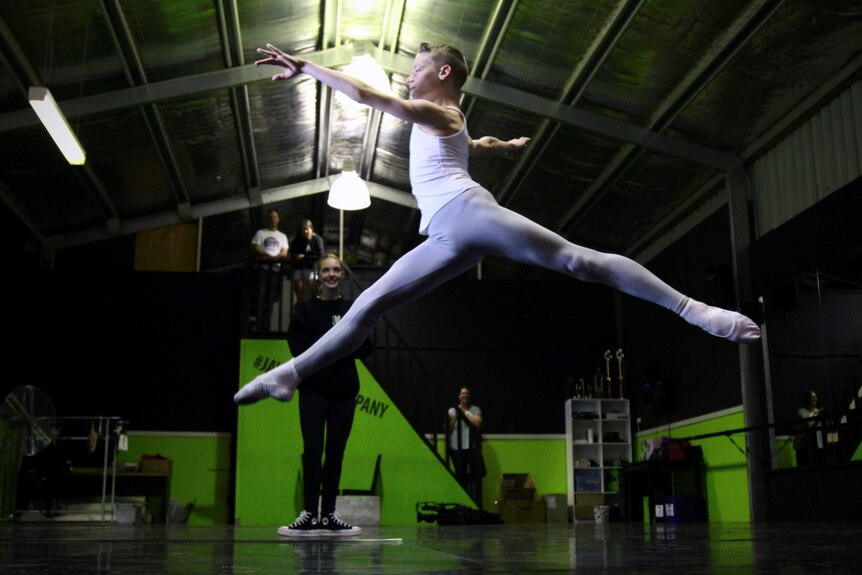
<point x="331" y="525"/>
<point x="306" y="525"/>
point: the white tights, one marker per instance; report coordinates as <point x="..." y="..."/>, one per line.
<point x="463" y="232"/>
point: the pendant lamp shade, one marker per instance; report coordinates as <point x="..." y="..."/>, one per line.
<point x="366" y="68"/>
<point x="349" y="192"/>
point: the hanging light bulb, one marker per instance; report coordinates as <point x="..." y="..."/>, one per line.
<point x="364" y="67"/>
<point x="349" y="191"/>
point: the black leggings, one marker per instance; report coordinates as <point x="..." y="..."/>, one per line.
<point x="467" y="466"/>
<point x="332" y="411"/>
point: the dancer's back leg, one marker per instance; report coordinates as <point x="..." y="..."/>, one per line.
<point x="414" y="274"/>
<point x="411" y="276"/>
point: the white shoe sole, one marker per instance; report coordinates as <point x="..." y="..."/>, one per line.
<point x="285" y="532"/>
<point x="340" y="532"/>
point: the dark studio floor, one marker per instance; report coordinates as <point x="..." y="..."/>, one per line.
<point x="585" y="548"/>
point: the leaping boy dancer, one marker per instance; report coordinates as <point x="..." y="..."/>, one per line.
<point x="462" y="220"/>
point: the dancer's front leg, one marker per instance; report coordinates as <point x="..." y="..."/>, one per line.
<point x="504" y="232"/>
<point x="278" y="383"/>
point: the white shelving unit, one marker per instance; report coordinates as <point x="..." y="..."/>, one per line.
<point x="598" y="444"/>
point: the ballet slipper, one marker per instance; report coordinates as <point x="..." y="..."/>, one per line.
<point x="720" y="322"/>
<point x="279" y="384"/>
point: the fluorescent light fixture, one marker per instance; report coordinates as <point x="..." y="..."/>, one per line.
<point x="55" y="122"/>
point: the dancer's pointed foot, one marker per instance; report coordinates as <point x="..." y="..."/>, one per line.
<point x="261" y="387"/>
<point x="720" y="322"/>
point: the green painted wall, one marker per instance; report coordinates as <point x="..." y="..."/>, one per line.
<point x="200" y="472"/>
<point x="785" y="454"/>
<point x="726" y="471"/>
<point x="269" y="448"/>
<point x="543" y="458"/>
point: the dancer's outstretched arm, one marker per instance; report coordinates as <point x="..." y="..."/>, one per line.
<point x="422" y="112"/>
<point x="430" y="115"/>
<point x="491" y="146"/>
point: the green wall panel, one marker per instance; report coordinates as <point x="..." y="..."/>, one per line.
<point x="200" y="470"/>
<point x="269" y="448"/>
<point x="544" y="458"/>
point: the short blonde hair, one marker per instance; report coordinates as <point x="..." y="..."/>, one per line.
<point x="442" y="54"/>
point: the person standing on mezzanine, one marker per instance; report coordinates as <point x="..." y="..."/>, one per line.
<point x="270" y="248"/>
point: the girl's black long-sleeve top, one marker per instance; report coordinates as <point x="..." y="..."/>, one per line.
<point x="313" y="318"/>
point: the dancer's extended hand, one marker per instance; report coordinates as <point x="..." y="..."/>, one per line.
<point x="516" y="146"/>
<point x="275" y="57"/>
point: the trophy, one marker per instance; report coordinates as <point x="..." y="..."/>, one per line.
<point x="620" y="357"/>
<point x="608" y="357"/>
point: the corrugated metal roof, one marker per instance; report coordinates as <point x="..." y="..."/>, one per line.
<point x="634" y="108"/>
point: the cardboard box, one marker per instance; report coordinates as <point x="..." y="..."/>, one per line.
<point x="585" y="503"/>
<point x="517" y="486"/>
<point x="557" y="506"/>
<point x="158" y="465"/>
<point x="360" y="509"/>
<point x="520" y="511"/>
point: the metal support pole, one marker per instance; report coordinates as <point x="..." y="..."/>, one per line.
<point x="753" y="394"/>
<point x="341" y="235"/>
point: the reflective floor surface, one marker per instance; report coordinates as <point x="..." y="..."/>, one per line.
<point x="36" y="548"/>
